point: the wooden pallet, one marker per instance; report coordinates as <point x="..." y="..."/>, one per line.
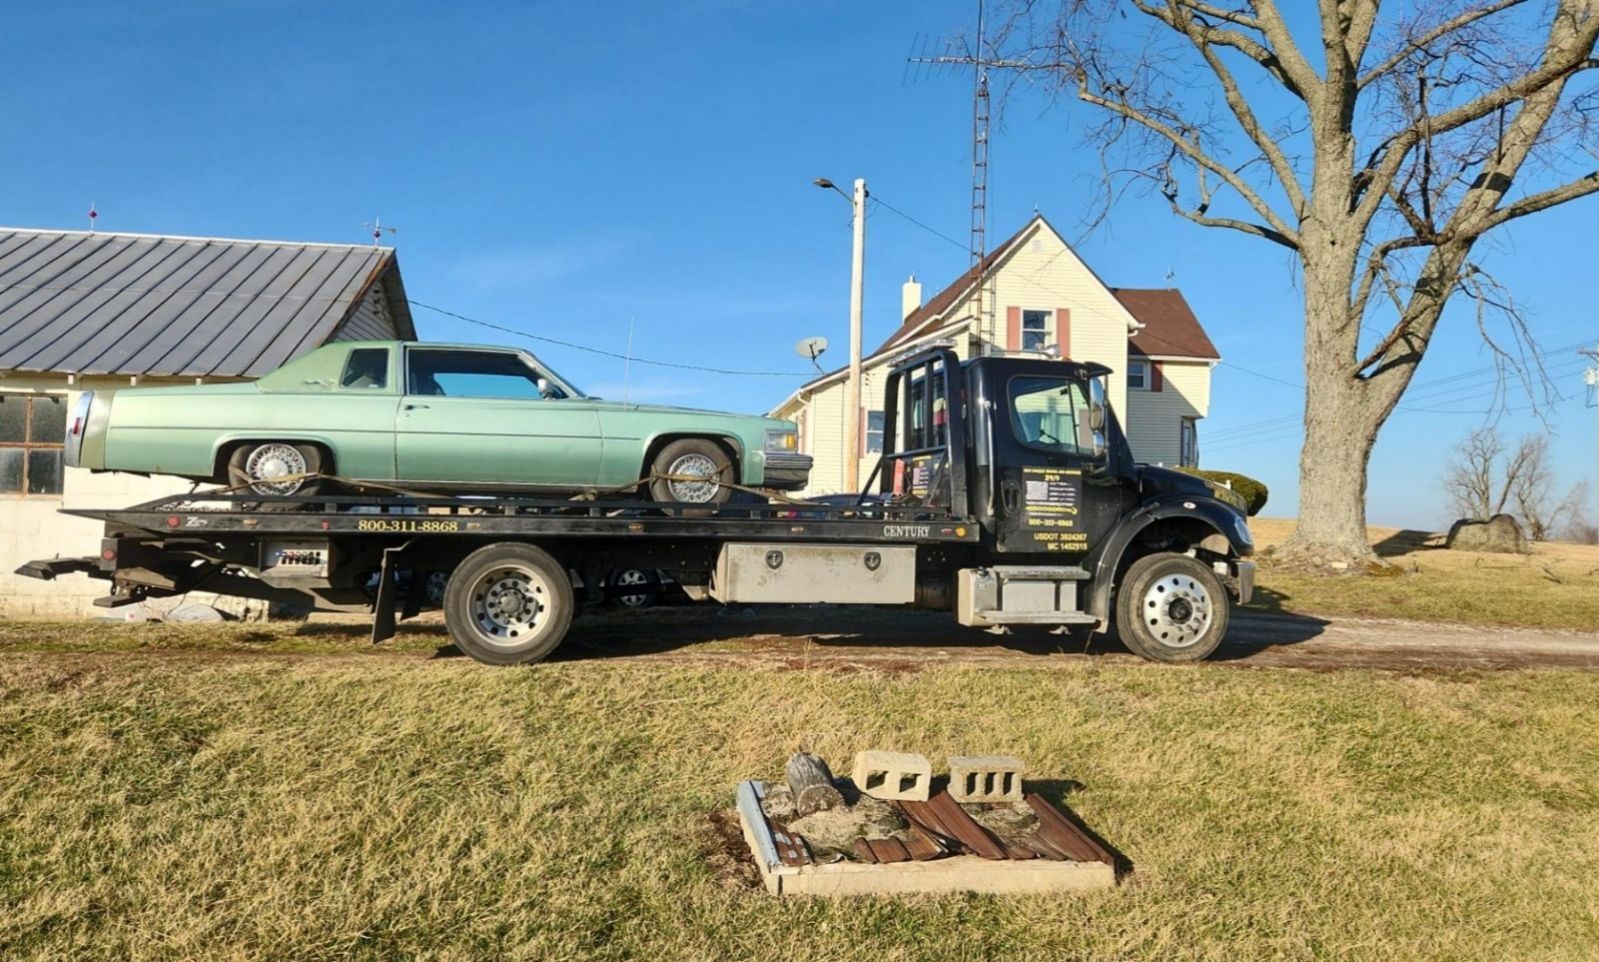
<point x="956" y="873"/>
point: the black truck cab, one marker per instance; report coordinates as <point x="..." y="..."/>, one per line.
<point x="1030" y="449"/>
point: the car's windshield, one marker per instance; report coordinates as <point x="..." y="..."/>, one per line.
<point x="1051" y="412"/>
<point x="490" y="374"/>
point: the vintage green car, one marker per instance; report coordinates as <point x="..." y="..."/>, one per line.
<point x="434" y="417"/>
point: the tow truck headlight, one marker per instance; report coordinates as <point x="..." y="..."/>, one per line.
<point x="780" y="439"/>
<point x="1241" y="529"/>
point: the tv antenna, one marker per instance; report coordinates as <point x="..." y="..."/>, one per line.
<point x="812" y="348"/>
<point x="375" y="225"/>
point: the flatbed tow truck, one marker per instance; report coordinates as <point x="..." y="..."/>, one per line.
<point x="1006" y="493"/>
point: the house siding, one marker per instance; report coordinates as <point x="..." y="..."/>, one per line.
<point x="1040" y="273"/>
<point x="1153" y="419"/>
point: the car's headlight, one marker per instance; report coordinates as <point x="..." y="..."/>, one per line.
<point x="780" y="439"/>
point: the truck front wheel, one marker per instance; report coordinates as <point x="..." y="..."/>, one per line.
<point x="1171" y="607"/>
<point x="508" y="604"/>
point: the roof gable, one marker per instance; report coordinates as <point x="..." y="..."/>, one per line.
<point x="1169" y="327"/>
<point x="94" y="303"/>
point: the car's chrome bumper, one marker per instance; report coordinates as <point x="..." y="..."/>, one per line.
<point x="786" y="471"/>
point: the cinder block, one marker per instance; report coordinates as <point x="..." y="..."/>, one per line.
<point x="986" y="778"/>
<point x="894" y="776"/>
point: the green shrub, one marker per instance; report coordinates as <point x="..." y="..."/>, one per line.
<point x="1252" y="492"/>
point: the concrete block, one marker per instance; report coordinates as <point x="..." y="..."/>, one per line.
<point x="986" y="778"/>
<point x="894" y="775"/>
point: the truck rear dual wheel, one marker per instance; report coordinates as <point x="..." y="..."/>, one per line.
<point x="1171" y="607"/>
<point x="508" y="604"/>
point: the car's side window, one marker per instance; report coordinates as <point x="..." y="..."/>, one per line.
<point x="367" y="369"/>
<point x="485" y="374"/>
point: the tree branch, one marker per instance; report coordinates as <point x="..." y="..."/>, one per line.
<point x="1282" y="233"/>
<point x="1415" y="44"/>
<point x="1199" y="35"/>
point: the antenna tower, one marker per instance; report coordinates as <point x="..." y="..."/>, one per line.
<point x="979" y="233"/>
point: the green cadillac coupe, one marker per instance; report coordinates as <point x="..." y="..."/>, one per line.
<point x="435" y="417"/>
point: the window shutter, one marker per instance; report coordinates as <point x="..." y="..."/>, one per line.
<point x="1013" y="328"/>
<point x="1156" y="380"/>
<point x="1063" y="331"/>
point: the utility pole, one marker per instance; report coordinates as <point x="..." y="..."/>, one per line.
<point x="852" y="392"/>
<point x="1590" y="377"/>
<point x="857" y="297"/>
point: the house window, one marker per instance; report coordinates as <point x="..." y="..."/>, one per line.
<point x="874" y="432"/>
<point x="1035" y="330"/>
<point x="1137" y="375"/>
<point x="33" y="428"/>
<point x="1189" y="446"/>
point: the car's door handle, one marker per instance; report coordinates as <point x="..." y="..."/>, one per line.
<point x="414" y="407"/>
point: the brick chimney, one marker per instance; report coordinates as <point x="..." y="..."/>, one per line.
<point x="910" y="297"/>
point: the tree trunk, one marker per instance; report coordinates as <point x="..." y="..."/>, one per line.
<point x="811" y="781"/>
<point x="1341" y="417"/>
<point x="1339" y="433"/>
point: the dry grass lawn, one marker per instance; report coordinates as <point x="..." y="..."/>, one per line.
<point x="303" y="802"/>
<point x="1556" y="586"/>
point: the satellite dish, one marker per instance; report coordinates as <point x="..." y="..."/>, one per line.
<point x="811" y="348"/>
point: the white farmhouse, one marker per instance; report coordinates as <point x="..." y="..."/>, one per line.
<point x="1045" y="300"/>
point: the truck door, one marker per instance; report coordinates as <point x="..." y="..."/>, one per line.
<point x="1055" y="493"/>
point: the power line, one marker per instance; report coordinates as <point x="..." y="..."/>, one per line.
<point x="935" y="232"/>
<point x="601" y="351"/>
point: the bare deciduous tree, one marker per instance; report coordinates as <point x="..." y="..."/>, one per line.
<point x="1376" y="142"/>
<point x="1485" y="478"/>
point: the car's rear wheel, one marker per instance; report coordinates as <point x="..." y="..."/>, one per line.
<point x="692" y="471"/>
<point x="275" y="468"/>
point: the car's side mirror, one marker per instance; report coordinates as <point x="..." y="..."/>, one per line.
<point x="544" y="386"/>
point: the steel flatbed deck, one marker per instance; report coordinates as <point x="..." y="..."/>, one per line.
<point x="204" y="515"/>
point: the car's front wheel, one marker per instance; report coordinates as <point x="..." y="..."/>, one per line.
<point x="692" y="471"/>
<point x="275" y="468"/>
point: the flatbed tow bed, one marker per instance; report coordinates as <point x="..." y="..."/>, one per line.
<point x="976" y="506"/>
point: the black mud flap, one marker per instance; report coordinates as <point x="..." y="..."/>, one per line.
<point x="383" y="620"/>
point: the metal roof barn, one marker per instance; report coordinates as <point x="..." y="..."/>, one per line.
<point x="75" y="302"/>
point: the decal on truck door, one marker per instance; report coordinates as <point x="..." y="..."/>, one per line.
<point x="1052" y="503"/>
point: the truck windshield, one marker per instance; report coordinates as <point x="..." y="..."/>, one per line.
<point x="1051" y="413"/>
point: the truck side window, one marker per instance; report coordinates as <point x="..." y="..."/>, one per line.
<point x="1046" y="412"/>
<point x="367" y="368"/>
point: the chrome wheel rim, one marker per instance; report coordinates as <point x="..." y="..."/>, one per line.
<point x="269" y="462"/>
<point x="1177" y="610"/>
<point x="632" y="578"/>
<point x="510" y="604"/>
<point x="701" y="471"/>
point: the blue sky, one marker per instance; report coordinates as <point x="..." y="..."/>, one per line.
<point x="578" y="171"/>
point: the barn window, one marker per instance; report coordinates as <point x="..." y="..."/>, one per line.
<point x="32" y="429"/>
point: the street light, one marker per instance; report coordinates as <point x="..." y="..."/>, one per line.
<point x="852" y="386"/>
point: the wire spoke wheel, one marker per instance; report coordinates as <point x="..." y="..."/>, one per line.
<point x="268" y="464"/>
<point x="693" y="478"/>
<point x="509" y="604"/>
